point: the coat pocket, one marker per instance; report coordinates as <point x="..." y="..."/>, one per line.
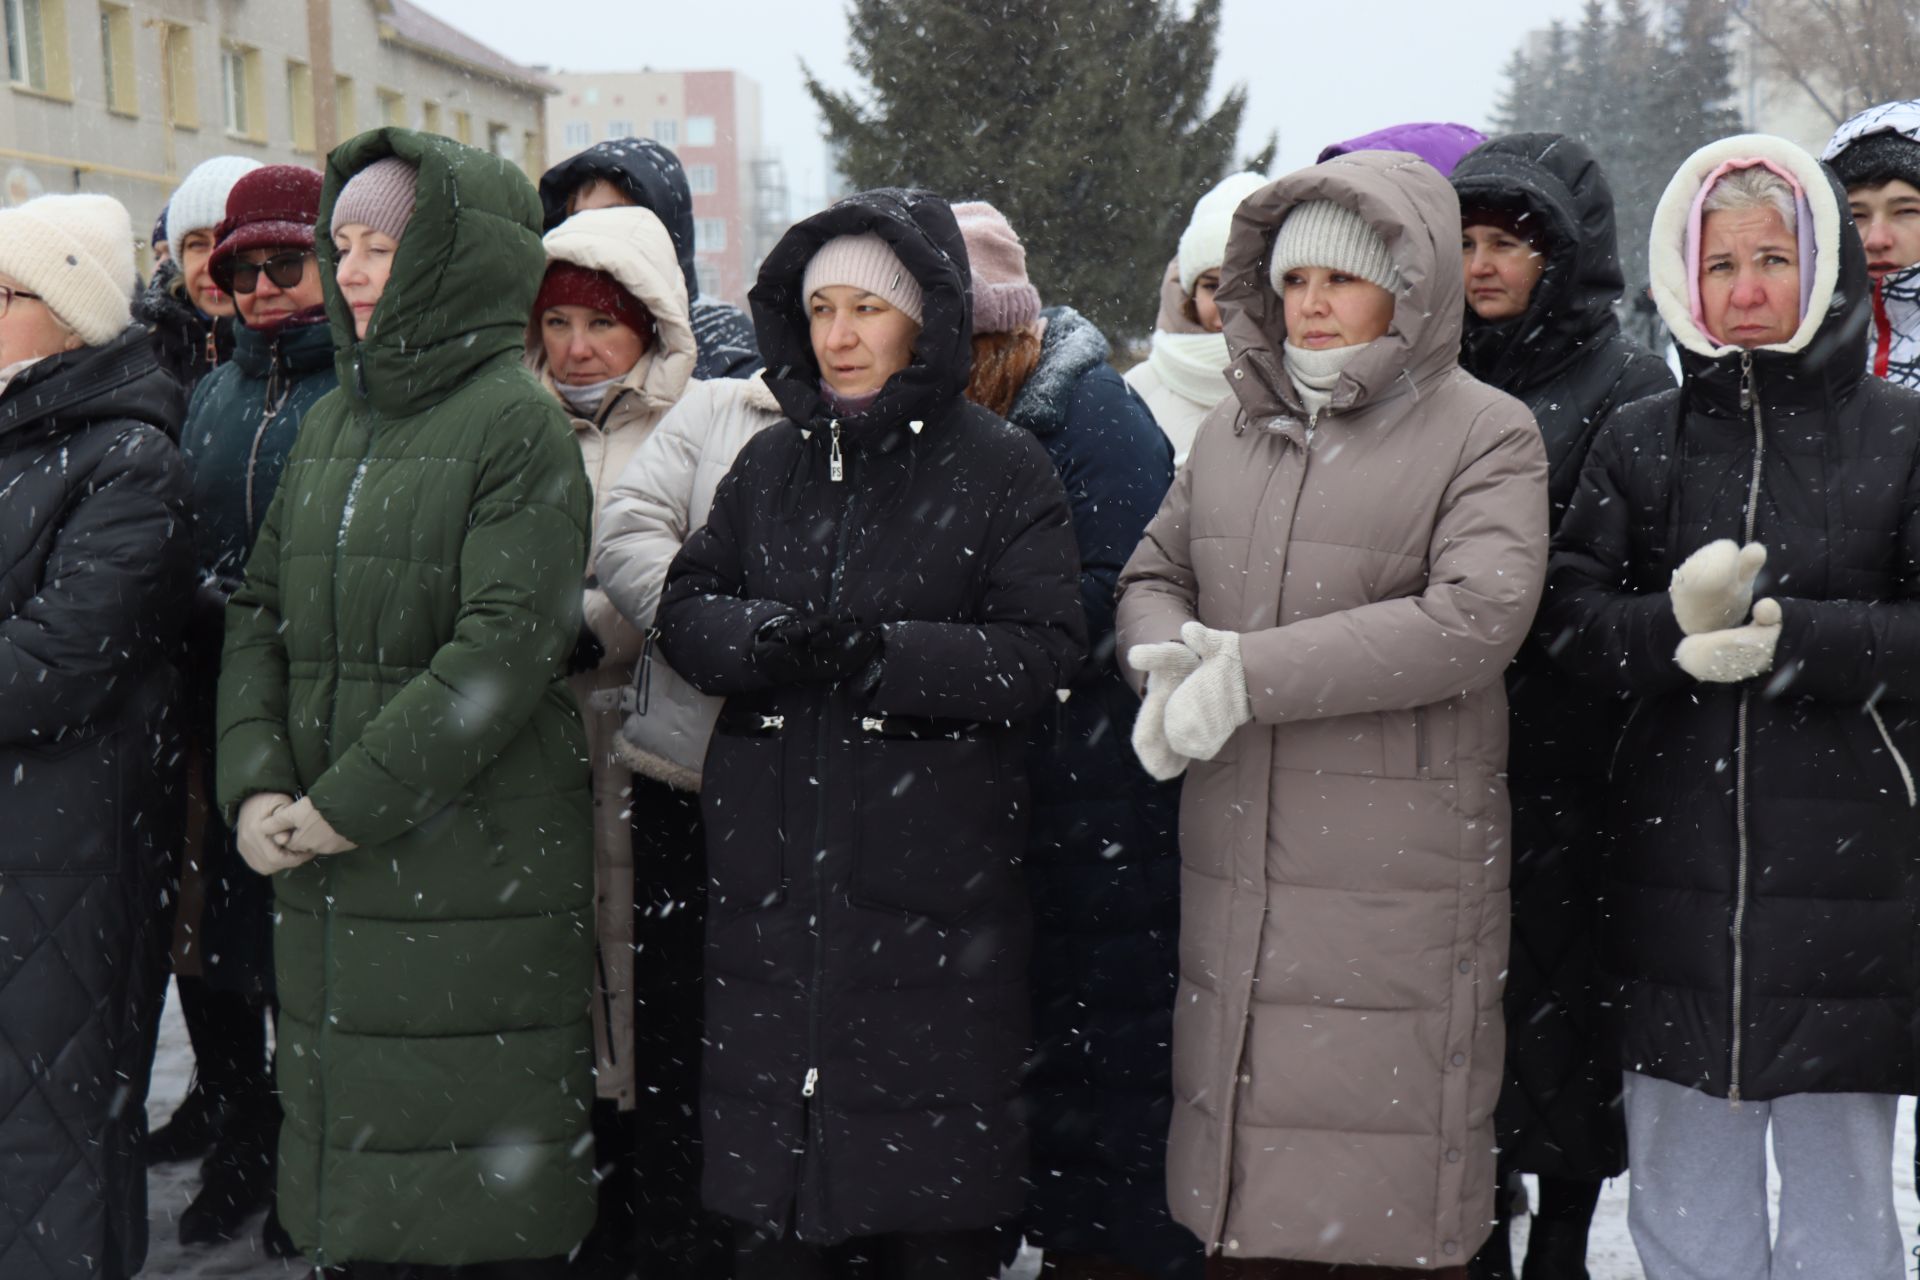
<point x="743" y="808"/>
<point x="936" y="830"/>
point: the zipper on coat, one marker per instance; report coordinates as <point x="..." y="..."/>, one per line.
<point x="1749" y="404"/>
<point x="836" y="465"/>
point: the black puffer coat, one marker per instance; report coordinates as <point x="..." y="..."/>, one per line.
<point x="653" y="178"/>
<point x="95" y="558"/>
<point x="188" y="344"/>
<point x="868" y="927"/>
<point x="1759" y="936"/>
<point x="1567" y="359"/>
<point x="1103" y="857"/>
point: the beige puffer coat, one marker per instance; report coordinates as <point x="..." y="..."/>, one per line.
<point x="633" y="247"/>
<point x="1337" y="1036"/>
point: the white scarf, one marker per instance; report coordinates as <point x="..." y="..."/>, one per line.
<point x="1191" y="365"/>
<point x="14" y="370"/>
<point x="587" y="397"/>
<point x="1316" y="373"/>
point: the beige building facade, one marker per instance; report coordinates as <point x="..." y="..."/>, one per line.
<point x="124" y="97"/>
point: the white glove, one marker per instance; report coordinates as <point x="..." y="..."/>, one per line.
<point x="312" y="833"/>
<point x="1736" y="653"/>
<point x="262" y="829"/>
<point x="1166" y="666"/>
<point x="1714" y="588"/>
<point x="1212" y="702"/>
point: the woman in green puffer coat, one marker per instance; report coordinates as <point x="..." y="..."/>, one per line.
<point x="399" y="748"/>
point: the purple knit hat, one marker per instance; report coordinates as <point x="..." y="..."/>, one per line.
<point x="379" y="196"/>
<point x="1004" y="300"/>
<point x="1439" y="144"/>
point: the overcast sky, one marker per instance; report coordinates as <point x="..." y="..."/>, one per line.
<point x="1316" y="70"/>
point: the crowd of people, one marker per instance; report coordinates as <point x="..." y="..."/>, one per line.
<point x="623" y="789"/>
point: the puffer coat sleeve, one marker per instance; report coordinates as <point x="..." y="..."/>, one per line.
<point x="645" y="519"/>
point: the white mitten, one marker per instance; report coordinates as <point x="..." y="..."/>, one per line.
<point x="1212" y="702"/>
<point x="1713" y="589"/>
<point x="1735" y="653"/>
<point x="1166" y="666"/>
<point x="262" y="828"/>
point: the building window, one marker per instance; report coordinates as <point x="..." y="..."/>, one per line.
<point x="666" y="132"/>
<point x="241" y="92"/>
<point x="531" y="158"/>
<point x="699" y="131"/>
<point x="500" y="142"/>
<point x="300" y="104"/>
<point x="430" y="116"/>
<point x="710" y="234"/>
<point x="116" y="59"/>
<point x="463" y="127"/>
<point x="393" y="108"/>
<point x="619" y="128"/>
<point x="181" y="88"/>
<point x="345" y="118"/>
<point x="578" y="134"/>
<point x="37" y="45"/>
<point x="702" y="179"/>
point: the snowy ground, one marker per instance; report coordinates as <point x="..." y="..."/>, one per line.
<point x="170" y="1188"/>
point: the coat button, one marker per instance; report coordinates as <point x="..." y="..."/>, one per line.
<point x="1466" y="966"/>
<point x="1453" y="1157"/>
<point x="1459" y="1059"/>
<point x="1233" y="1244"/>
<point x="1450" y="1248"/>
<point x="1246" y="1079"/>
<point x="1238" y="374"/>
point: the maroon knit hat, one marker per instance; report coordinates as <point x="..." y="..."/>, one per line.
<point x="269" y="207"/>
<point x="568" y="284"/>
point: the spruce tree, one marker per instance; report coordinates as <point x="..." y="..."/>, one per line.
<point x="1086" y="122"/>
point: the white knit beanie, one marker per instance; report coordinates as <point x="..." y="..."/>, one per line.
<point x="200" y="201"/>
<point x="1320" y="233"/>
<point x="864" y="262"/>
<point x="76" y="252"/>
<point x="1203" y="245"/>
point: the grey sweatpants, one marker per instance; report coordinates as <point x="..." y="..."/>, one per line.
<point x="1698" y="1204"/>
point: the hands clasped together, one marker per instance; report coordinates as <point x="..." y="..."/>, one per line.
<point x="1711" y="594"/>
<point x="277" y="833"/>
<point x="1196" y="697"/>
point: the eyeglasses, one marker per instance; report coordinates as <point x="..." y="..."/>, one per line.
<point x="284" y="269"/>
<point x="8" y="294"/>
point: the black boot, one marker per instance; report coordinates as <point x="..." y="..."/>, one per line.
<point x="195" y="1123"/>
<point x="1556" y="1251"/>
<point x="237" y="1179"/>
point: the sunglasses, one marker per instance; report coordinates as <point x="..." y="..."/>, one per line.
<point x="284" y="269"/>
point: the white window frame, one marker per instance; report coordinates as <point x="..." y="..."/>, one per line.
<point x="26" y="57"/>
<point x="703" y="179"/>
<point x="666" y="132"/>
<point x="710" y="235"/>
<point x="577" y="134"/>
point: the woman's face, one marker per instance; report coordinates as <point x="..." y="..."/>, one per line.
<point x="364" y="261"/>
<point x="585" y="346"/>
<point x="1502" y="270"/>
<point x="1327" y="308"/>
<point x="859" y="339"/>
<point x="1205" y="309"/>
<point x="195" y="248"/>
<point x="268" y="304"/>
<point x="1749" y="277"/>
<point x="30" y="330"/>
<point x="597" y="194"/>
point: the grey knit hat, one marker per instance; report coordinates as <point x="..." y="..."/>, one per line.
<point x="1877" y="159"/>
<point x="864" y="262"/>
<point x="1320" y="233"/>
<point x="379" y="196"/>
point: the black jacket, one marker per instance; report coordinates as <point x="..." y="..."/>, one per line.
<point x="1103" y="855"/>
<point x="188" y="344"/>
<point x="1804" y="982"/>
<point x="868" y="925"/>
<point x="1567" y="359"/>
<point x="94" y="560"/>
<point x="653" y="178"/>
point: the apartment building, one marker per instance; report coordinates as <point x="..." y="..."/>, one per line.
<point x="711" y="120"/>
<point x="125" y="96"/>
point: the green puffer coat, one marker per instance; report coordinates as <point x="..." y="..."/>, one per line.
<point x="397" y="655"/>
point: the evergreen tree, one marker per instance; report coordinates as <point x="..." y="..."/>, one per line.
<point x="1084" y="121"/>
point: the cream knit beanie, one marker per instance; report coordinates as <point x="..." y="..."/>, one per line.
<point x="380" y="196"/>
<point x="1320" y="233"/>
<point x="1203" y="245"/>
<point x="76" y="252"/>
<point x="200" y="201"/>
<point x="864" y="262"/>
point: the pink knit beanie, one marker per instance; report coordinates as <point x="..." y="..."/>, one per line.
<point x="1004" y="300"/>
<point x="379" y="196"/>
<point x="864" y="262"/>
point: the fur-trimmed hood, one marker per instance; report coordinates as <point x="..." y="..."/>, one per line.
<point x="1070" y="347"/>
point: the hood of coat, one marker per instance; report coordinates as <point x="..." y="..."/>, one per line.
<point x="1437" y="142"/>
<point x="1071" y="347"/>
<point x="1557" y="181"/>
<point x="121" y="379"/>
<point x="632" y="246"/>
<point x="920" y="228"/>
<point x="1823" y="360"/>
<point x="1173" y="305"/>
<point x="1902" y="118"/>
<point x="1416" y="215"/>
<point x="463" y="281"/>
<point x="649" y="173"/>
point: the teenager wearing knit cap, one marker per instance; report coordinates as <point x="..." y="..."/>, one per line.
<point x="1104" y="878"/>
<point x="94" y="562"/>
<point x="240" y="427"/>
<point x="399" y="750"/>
<point x="1877" y="157"/>
<point x="886" y="593"/>
<point x="192" y="316"/>
<point x="1185" y="372"/>
<point x="1319" y="617"/>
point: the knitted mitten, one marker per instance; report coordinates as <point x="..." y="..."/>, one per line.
<point x="1713" y="589"/>
<point x="1733" y="654"/>
<point x="1212" y="702"/>
<point x="1166" y="666"/>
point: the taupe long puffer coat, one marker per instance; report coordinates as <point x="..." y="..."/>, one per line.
<point x="1337" y="1037"/>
